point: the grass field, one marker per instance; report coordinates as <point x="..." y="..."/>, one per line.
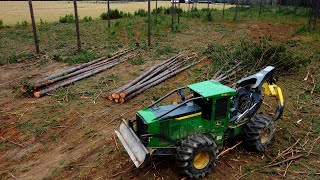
<point x="69" y="134"/>
<point x="12" y="12"/>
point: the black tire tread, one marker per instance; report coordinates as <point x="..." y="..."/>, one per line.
<point x="187" y="150"/>
<point x="254" y="128"/>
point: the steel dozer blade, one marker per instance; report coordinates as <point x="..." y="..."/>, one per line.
<point x="136" y="150"/>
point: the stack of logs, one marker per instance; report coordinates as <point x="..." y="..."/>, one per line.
<point x="154" y="76"/>
<point x="60" y="79"/>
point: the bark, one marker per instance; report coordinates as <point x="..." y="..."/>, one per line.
<point x="159" y="81"/>
<point x="39" y="93"/>
<point x="81" y="66"/>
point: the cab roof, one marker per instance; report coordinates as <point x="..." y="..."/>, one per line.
<point x="210" y="89"/>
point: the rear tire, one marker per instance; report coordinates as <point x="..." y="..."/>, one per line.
<point x="196" y="156"/>
<point x="259" y="132"/>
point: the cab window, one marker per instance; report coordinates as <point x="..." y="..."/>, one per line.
<point x="221" y="108"/>
<point x="207" y="108"/>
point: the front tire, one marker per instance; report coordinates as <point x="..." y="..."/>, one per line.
<point x="259" y="132"/>
<point x="196" y="156"/>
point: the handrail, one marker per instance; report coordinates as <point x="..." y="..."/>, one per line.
<point x="165" y="96"/>
<point x="179" y="106"/>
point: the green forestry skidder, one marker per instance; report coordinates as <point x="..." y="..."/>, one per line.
<point x="195" y="129"/>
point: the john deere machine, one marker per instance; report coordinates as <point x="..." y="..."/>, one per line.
<point x="195" y="129"/>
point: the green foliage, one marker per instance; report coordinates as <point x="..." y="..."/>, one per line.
<point x="141" y="13"/>
<point x="1" y="23"/>
<point x="257" y="55"/>
<point x="114" y="14"/>
<point x="176" y="27"/>
<point x="81" y="56"/>
<point x="208" y="16"/>
<point x="68" y="18"/>
<point x="87" y="19"/>
<point x="23" y="24"/>
<point x="16" y="58"/>
<point x="167" y="49"/>
<point x="291" y="10"/>
<point x="105" y="80"/>
<point x="318" y="88"/>
<point x="137" y="61"/>
<point x="303" y="29"/>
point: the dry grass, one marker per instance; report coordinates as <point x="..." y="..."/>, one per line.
<point x="14" y="11"/>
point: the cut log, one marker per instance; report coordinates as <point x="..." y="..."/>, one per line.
<point x="122" y="94"/>
<point x="115" y="96"/>
<point x="62" y="73"/>
<point x="100" y="64"/>
<point x="39" y="93"/>
<point x="151" y="70"/>
<point x="24" y="88"/>
<point x="121" y="100"/>
<point x="160" y="80"/>
<point x="110" y="97"/>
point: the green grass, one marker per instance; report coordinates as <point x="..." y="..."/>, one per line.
<point x="58" y="40"/>
<point x="137" y="61"/>
<point x="80" y="56"/>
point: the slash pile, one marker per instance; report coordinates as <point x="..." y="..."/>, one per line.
<point x="77" y="73"/>
<point x="228" y="76"/>
<point x="154" y="76"/>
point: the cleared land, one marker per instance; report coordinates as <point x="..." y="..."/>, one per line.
<point x="69" y="133"/>
<point x="12" y="12"/>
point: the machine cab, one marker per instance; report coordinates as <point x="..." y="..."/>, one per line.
<point x="215" y="103"/>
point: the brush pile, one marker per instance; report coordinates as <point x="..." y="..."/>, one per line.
<point x="229" y="75"/>
<point x="66" y="77"/>
<point x="154" y="76"/>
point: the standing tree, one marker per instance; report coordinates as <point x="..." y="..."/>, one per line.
<point x="236" y="13"/>
<point x="149" y="26"/>
<point x="35" y="34"/>
<point x="224" y="8"/>
<point x="172" y="15"/>
<point x="260" y="8"/>
<point x="77" y="23"/>
<point x="108" y="14"/>
<point x="314" y="13"/>
<point x="156" y="11"/>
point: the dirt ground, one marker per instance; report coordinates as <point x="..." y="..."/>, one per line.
<point x="69" y="133"/>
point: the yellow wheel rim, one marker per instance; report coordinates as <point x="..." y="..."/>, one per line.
<point x="265" y="135"/>
<point x="201" y="160"/>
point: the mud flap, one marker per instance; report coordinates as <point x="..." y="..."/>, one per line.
<point x="135" y="149"/>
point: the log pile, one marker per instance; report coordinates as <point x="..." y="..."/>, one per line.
<point x="66" y="77"/>
<point x="154" y="76"/>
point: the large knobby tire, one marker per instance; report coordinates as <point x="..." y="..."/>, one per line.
<point x="196" y="156"/>
<point x="258" y="132"/>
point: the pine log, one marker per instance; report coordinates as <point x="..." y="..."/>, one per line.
<point x="99" y="64"/>
<point x="39" y="93"/>
<point x="80" y="66"/>
<point x="160" y="80"/>
<point x="142" y="76"/>
<point x="121" y="100"/>
<point x="155" y="78"/>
